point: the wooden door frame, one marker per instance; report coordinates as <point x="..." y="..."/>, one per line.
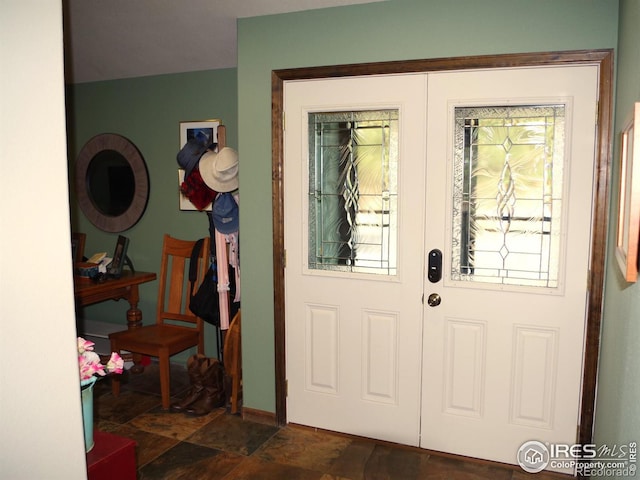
<point x="602" y="58"/>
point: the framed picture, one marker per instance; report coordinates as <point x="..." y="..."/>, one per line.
<point x="119" y="257"/>
<point x="628" y="231"/>
<point x="77" y="246"/>
<point x="189" y="130"/>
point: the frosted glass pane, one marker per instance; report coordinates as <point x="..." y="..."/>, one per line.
<point x="507" y="195"/>
<point x="353" y="191"/>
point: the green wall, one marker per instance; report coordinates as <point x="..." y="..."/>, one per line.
<point x="391" y="30"/>
<point x="617" y="412"/>
<point x="148" y="110"/>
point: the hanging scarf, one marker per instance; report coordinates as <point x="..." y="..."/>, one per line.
<point x="223" y="278"/>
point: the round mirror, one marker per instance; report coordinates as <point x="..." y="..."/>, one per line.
<point x="112" y="183"/>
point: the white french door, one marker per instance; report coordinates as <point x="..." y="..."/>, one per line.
<point x="354" y="337"/>
<point x="503" y="352"/>
<point x="489" y="171"/>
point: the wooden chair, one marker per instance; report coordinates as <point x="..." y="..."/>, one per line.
<point x="233" y="361"/>
<point x="176" y="328"/>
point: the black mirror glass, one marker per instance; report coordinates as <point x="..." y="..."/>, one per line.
<point x="112" y="182"/>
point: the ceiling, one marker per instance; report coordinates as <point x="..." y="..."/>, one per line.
<point x="107" y="40"/>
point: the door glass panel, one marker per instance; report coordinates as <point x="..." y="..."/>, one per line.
<point x="353" y="190"/>
<point x="507" y="195"/>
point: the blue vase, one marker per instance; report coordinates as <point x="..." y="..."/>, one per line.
<point x="86" y="390"/>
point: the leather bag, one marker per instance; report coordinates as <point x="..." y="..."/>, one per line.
<point x="205" y="301"/>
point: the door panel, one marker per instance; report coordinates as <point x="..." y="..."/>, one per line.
<point x="503" y="356"/>
<point x="354" y="243"/>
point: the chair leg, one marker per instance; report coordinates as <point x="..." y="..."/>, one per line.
<point x="115" y="379"/>
<point x="165" y="381"/>
<point x="115" y="385"/>
<point x="235" y="391"/>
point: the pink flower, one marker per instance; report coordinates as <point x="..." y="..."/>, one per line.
<point x="84" y="345"/>
<point x="115" y="363"/>
<point x="90" y="365"/>
<point x="89" y="361"/>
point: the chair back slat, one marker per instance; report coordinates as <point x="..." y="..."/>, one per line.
<point x="173" y="298"/>
<point x="176" y="285"/>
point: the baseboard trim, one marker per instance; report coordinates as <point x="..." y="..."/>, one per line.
<point x="259" y="416"/>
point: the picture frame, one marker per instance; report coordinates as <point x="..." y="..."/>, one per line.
<point x="119" y="257"/>
<point x="77" y="246"/>
<point x="628" y="226"/>
<point x="189" y="130"/>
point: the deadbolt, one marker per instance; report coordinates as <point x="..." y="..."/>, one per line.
<point x="434" y="268"/>
<point x="434" y="300"/>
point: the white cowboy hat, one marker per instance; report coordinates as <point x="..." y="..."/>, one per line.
<point x="219" y="170"/>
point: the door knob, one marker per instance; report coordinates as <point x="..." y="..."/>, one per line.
<point x="434" y="300"/>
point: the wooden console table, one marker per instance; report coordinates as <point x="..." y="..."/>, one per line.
<point x="88" y="292"/>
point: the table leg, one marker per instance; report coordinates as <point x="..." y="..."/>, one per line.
<point x="134" y="320"/>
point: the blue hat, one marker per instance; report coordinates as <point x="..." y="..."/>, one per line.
<point x="190" y="154"/>
<point x="225" y="213"/>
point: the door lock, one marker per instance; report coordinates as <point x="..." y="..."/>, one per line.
<point x="434" y="268"/>
<point x="434" y="300"/>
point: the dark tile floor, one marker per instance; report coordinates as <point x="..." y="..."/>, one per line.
<point x="173" y="446"/>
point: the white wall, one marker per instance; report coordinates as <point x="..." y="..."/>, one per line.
<point x="40" y="415"/>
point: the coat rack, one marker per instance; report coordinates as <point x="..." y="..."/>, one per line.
<point x="222" y="137"/>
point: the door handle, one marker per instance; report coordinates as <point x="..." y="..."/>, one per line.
<point x="434" y="267"/>
<point x="434" y="300"/>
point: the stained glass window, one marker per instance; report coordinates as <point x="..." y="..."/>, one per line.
<point x="353" y="190"/>
<point x="507" y="195"/>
